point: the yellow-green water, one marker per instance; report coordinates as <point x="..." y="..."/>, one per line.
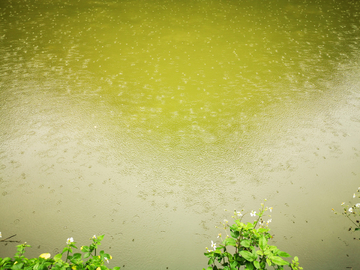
<point x="144" y="120"/>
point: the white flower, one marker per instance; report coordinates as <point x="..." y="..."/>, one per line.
<point x="350" y="210"/>
<point x="69" y="240"/>
<point x="354" y="195"/>
<point x="219" y="235"/>
<point x="0" y="235"/>
<point x="253" y="213"/>
<point x="226" y="221"/>
<point x="94" y="236"/>
<point x="106" y="259"/>
<point x="270" y="208"/>
<point x="357" y="205"/>
<point x="239" y="214"/>
<point x="269" y="220"/>
<point x="342" y="203"/>
<point x="213" y="245"/>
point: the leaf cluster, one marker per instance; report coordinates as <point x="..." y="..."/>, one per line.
<point x="352" y="212"/>
<point x="88" y="259"/>
<point x="247" y="246"/>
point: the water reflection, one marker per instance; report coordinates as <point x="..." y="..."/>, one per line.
<point x="155" y="116"/>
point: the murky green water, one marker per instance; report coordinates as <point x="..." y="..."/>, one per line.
<point x="144" y="120"/>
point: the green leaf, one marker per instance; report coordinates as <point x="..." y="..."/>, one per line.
<point x="268" y="261"/>
<point x="85" y="249"/>
<point x="57" y="257"/>
<point x="283" y="254"/>
<point x="229" y="256"/>
<point x="6" y="259"/>
<point x="17" y="266"/>
<point x="262" y="242"/>
<point x="257" y="264"/>
<point x="233" y="264"/>
<point x="116" y="268"/>
<point x="263" y="230"/>
<point x="357" y="229"/>
<point x="249" y="266"/>
<point x="87" y="255"/>
<point x="273" y="248"/>
<point x="239" y="223"/>
<point x="245" y="243"/>
<point x="230" y="242"/>
<point x="64" y="250"/>
<point x="247" y="255"/>
<point x="77" y="256"/>
<point x="209" y="268"/>
<point x="267" y="252"/>
<point x="278" y="260"/>
<point x="234" y="234"/>
<point x="36" y="267"/>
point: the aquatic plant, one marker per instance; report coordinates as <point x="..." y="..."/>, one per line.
<point x="75" y="261"/>
<point x="246" y="245"/>
<point x="352" y="212"/>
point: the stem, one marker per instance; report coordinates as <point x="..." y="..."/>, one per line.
<point x="67" y="255"/>
<point x="257" y="222"/>
<point x="353" y="221"/>
<point x="260" y="215"/>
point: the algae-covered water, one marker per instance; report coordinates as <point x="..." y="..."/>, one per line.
<point x="144" y="120"/>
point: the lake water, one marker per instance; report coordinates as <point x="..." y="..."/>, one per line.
<point x="144" y="120"/>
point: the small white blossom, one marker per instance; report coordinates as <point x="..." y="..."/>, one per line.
<point x="357" y="205"/>
<point x="94" y="236"/>
<point x="226" y="221"/>
<point x="219" y="235"/>
<point x="106" y="259"/>
<point x="350" y="210"/>
<point x="213" y="245"/>
<point x="0" y="235"/>
<point x="69" y="240"/>
<point x="269" y="220"/>
<point x="239" y="214"/>
<point x="354" y="195"/>
<point x="270" y="208"/>
<point x="342" y="203"/>
<point x="253" y="213"/>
